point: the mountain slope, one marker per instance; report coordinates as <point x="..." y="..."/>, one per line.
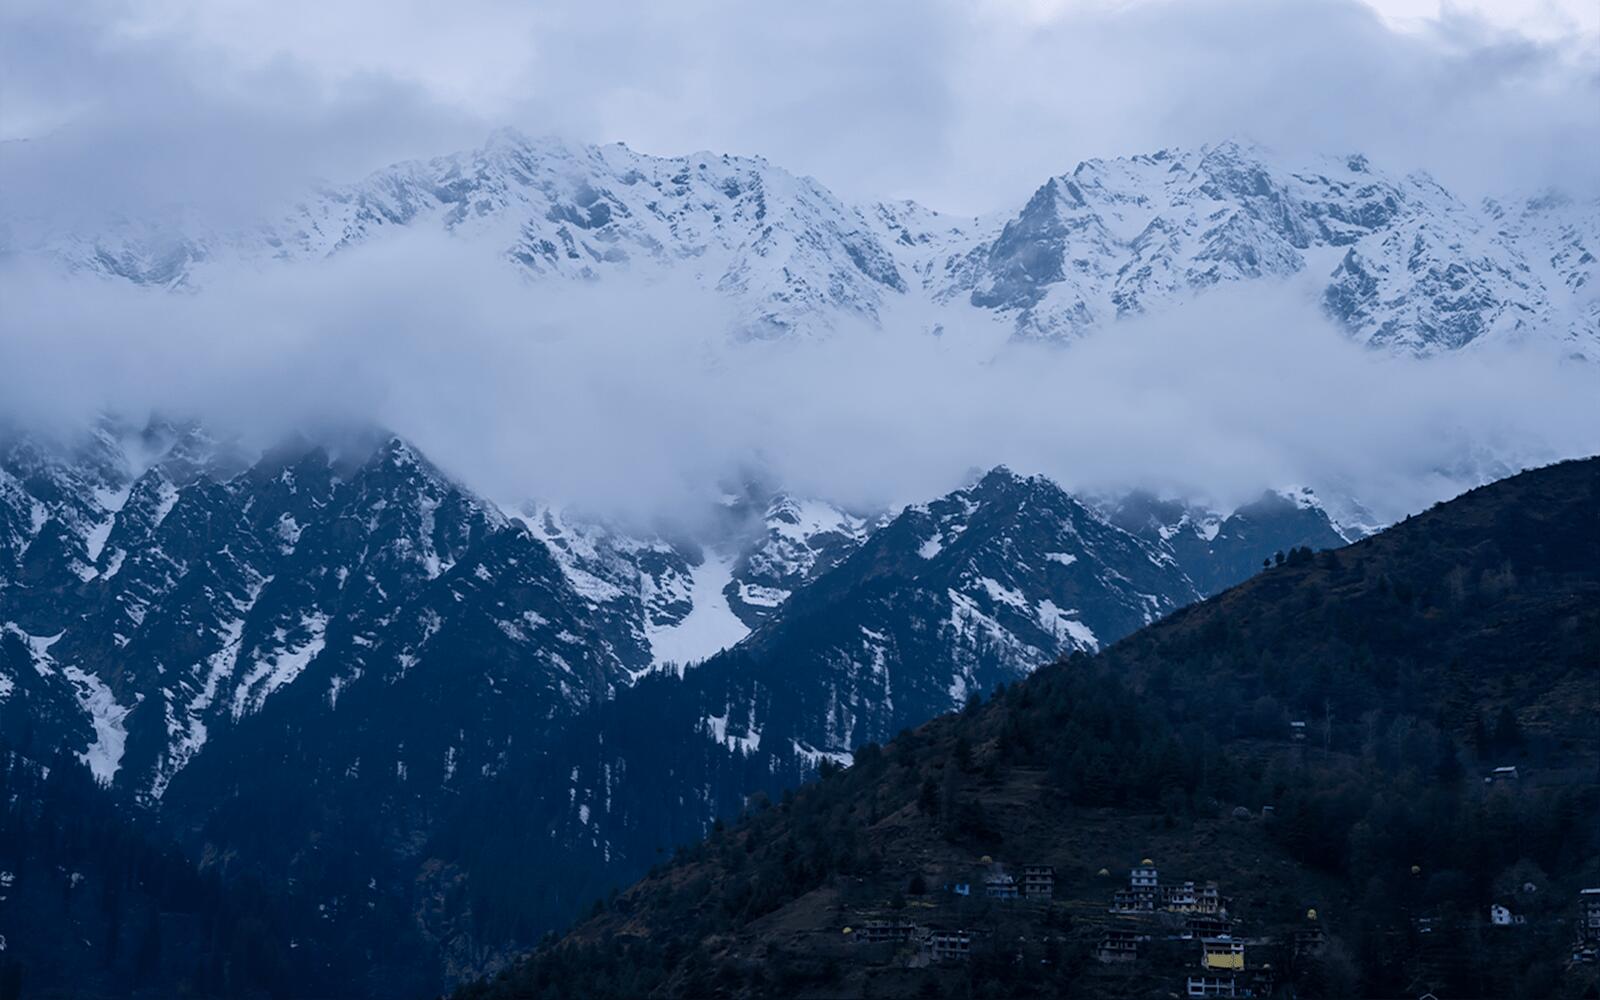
<point x="688" y="595"/>
<point x="783" y="247"/>
<point x="947" y="599"/>
<point x="952" y="597"/>
<point x="1399" y="647"/>
<point x="98" y="900"/>
<point x="1403" y="264"/>
<point x="335" y="669"/>
<point x="1218" y="551"/>
<point x="294" y="661"/>
<point x="179" y="606"/>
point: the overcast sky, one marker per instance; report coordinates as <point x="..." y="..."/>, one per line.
<point x="222" y="106"/>
<point x="966" y="105"/>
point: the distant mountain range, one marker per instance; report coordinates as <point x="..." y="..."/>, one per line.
<point x="1398" y="261"/>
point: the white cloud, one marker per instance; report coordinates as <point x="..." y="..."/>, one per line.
<point x="964" y="106"/>
<point x="629" y="398"/>
<point x="1549" y="20"/>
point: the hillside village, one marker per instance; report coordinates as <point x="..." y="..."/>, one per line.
<point x="1152" y="929"/>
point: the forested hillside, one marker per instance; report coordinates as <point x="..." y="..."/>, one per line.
<point x="95" y="902"/>
<point x="1417" y="662"/>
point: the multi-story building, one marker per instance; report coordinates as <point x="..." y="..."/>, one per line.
<point x="1000" y="886"/>
<point x="1128" y="901"/>
<point x="1145" y="878"/>
<point x="878" y="931"/>
<point x="1589" y="915"/>
<point x="1222" y="952"/>
<point x="1118" y="945"/>
<point x="1205" y="925"/>
<point x="1212" y="986"/>
<point x="948" y="946"/>
<point x="1180" y="898"/>
<point x="1038" y="881"/>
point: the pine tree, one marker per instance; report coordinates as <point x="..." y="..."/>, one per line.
<point x="1507" y="733"/>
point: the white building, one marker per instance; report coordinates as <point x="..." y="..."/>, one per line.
<point x="1144" y="878"/>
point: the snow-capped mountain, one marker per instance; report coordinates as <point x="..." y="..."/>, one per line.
<point x="948" y="599"/>
<point x="687" y="598"/>
<point x="169" y="592"/>
<point x="799" y="541"/>
<point x="944" y="601"/>
<point x="1402" y="263"/>
<point x="1561" y="235"/>
<point x="1397" y="260"/>
<point x="159" y="587"/>
<point x="1219" y="550"/>
<point x="782" y="247"/>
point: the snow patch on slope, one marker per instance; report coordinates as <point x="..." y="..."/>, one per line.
<point x="716" y="727"/>
<point x="277" y="669"/>
<point x="109" y="717"/>
<point x="707" y="629"/>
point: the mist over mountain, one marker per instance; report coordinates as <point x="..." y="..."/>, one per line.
<point x="628" y="333"/>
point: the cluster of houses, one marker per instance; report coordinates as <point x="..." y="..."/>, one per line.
<point x="1223" y="971"/>
<point x="1198" y="914"/>
<point x="937" y="944"/>
<point x="941" y="945"/>
<point x="1038" y="882"/>
<point x="1146" y="894"/>
<point x="1191" y="912"/>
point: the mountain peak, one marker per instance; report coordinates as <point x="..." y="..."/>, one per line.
<point x="1001" y="475"/>
<point x="507" y="137"/>
<point x="1399" y="262"/>
<point x="398" y="453"/>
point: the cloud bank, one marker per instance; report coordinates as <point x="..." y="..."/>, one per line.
<point x="964" y="106"/>
<point x="630" y="400"/>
